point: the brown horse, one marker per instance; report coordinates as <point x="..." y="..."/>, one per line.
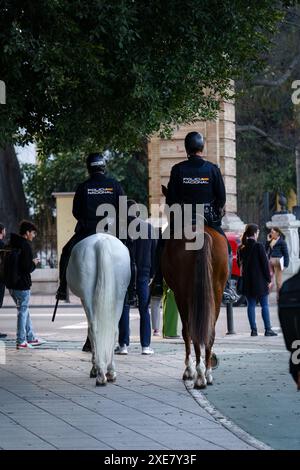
<point x="197" y="278"/>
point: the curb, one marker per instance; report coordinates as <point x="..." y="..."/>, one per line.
<point x="223" y="420"/>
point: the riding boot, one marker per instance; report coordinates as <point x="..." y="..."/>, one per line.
<point x="61" y="293"/>
<point x="87" y="345"/>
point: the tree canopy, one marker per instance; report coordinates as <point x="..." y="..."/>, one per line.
<point x="268" y="122"/>
<point x="107" y="73"/>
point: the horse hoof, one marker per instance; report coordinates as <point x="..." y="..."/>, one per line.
<point x="100" y="382"/>
<point x="199" y="386"/>
<point x="214" y="361"/>
<point x="111" y="377"/>
<point x="93" y="373"/>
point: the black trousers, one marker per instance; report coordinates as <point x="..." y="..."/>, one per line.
<point x="2" y="290"/>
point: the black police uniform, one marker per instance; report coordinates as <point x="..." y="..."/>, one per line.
<point x="198" y="181"/>
<point x="98" y="189"/>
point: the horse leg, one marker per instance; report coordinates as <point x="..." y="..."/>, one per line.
<point x="200" y="381"/>
<point x="208" y="355"/>
<point x="111" y="371"/>
<point x="93" y="371"/>
<point x="189" y="370"/>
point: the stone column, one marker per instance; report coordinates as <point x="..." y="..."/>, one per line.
<point x="289" y="226"/>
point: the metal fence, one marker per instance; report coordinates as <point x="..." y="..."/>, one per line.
<point x="45" y="244"/>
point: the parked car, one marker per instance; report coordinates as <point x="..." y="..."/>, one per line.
<point x="235" y="241"/>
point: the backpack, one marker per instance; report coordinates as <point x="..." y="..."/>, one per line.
<point x="9" y="266"/>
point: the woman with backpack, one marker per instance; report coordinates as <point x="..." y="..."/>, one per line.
<point x="256" y="278"/>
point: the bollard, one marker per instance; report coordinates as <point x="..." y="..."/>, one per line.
<point x="230" y="325"/>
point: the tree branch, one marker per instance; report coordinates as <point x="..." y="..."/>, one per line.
<point x="257" y="130"/>
<point x="282" y="79"/>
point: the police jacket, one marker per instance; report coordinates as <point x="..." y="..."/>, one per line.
<point x="196" y="181"/>
<point x="98" y="189"/>
<point x="26" y="265"/>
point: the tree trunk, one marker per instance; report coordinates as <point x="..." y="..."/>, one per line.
<point x="13" y="206"/>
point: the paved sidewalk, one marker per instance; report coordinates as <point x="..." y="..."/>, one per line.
<point x="48" y="401"/>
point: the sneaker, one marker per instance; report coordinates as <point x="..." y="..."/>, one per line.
<point x="122" y="350"/>
<point x="254" y="332"/>
<point x="24" y="345"/>
<point x="270" y="332"/>
<point x="36" y="342"/>
<point x="147" y="351"/>
<point x="156" y="333"/>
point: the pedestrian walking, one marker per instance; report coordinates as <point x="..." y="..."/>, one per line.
<point x="256" y="279"/>
<point x="143" y="251"/>
<point x="278" y="255"/>
<point x="20" y="266"/>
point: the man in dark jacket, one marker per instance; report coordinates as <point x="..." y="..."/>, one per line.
<point x="198" y="181"/>
<point x="20" y="291"/>
<point x="98" y="189"/>
<point x="2" y="286"/>
<point x="143" y="253"/>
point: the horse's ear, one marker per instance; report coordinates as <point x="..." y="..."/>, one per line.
<point x="164" y="190"/>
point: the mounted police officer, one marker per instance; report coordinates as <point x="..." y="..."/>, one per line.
<point x="198" y="181"/>
<point x="98" y="189"/>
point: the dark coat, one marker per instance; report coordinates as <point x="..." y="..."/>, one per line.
<point x="98" y="189"/>
<point x="279" y="250"/>
<point x="196" y="181"/>
<point x="143" y="250"/>
<point x="26" y="264"/>
<point x="255" y="269"/>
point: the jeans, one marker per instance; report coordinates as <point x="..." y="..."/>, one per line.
<point x="124" y="330"/>
<point x="264" y="302"/>
<point x="143" y="294"/>
<point x="24" y="325"/>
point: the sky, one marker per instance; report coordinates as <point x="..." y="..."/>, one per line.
<point x="26" y="154"/>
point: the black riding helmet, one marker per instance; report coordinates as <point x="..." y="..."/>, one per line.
<point x="95" y="163"/>
<point x="194" y="142"/>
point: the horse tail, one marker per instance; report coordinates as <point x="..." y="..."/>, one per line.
<point x="204" y="304"/>
<point x="104" y="303"/>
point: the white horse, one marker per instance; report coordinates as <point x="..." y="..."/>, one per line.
<point x="99" y="273"/>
